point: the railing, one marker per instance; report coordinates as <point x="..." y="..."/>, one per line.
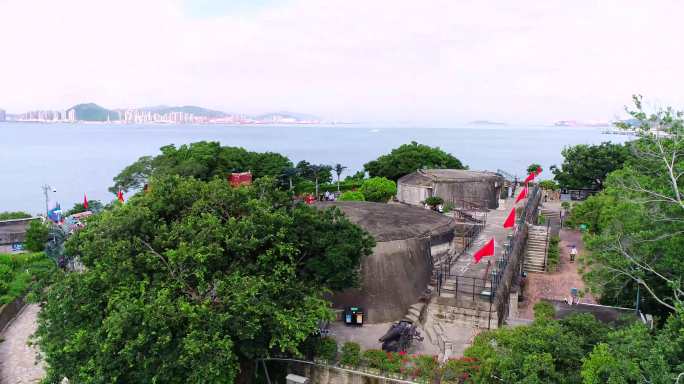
<point x="495" y="269"/>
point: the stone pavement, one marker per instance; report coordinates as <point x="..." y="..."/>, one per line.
<point x="18" y="360"/>
<point x="465" y="265"/>
<point x="556" y="285"/>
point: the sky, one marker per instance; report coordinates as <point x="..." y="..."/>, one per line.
<point x="428" y="62"/>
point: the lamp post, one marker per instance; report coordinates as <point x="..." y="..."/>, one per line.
<point x="46" y="188"/>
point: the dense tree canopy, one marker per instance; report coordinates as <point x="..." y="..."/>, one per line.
<point x="586" y="166"/>
<point x="352" y="196"/>
<point x="36" y="236"/>
<point x="313" y="172"/>
<point x="202" y="160"/>
<point x="93" y="206"/>
<point x="378" y="189"/>
<point x="409" y="158"/>
<point x="636" y="223"/>
<point x="14" y="215"/>
<point x="191" y="280"/>
<point x="579" y="349"/>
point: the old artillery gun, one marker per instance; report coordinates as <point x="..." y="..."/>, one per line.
<point x="400" y="336"/>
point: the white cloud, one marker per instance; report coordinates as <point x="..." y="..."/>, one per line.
<point x="433" y="61"/>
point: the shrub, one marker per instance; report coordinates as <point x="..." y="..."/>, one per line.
<point x="549" y="185"/>
<point x="14" y="215"/>
<point x="378" y="189"/>
<point x="553" y="253"/>
<point x="459" y="370"/>
<point x="424" y="366"/>
<point x="36" y="236"/>
<point x="351" y="354"/>
<point x="374" y="358"/>
<point x="352" y="196"/>
<point x="327" y="349"/>
<point x="544" y="311"/>
<point x="434" y="201"/>
<point x="392" y="363"/>
<point x="448" y="207"/>
<point x="5" y="277"/>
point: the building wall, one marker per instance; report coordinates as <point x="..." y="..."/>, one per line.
<point x="412" y="194"/>
<point x="484" y="192"/>
<point x="392" y="279"/>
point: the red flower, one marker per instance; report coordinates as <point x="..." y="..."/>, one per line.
<point x="402" y="353"/>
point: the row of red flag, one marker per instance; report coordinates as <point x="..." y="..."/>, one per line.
<point x="119" y="196"/>
<point x="488" y="248"/>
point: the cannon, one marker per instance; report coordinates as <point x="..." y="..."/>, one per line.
<point x="400" y="336"/>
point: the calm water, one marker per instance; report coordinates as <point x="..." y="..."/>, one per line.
<point x="83" y="158"/>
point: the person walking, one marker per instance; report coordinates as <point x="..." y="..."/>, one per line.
<point x="573" y="253"/>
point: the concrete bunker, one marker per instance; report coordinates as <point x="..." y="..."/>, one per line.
<point x="453" y="185"/>
<point x="396" y="275"/>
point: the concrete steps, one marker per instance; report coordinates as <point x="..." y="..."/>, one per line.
<point x="536" y="249"/>
<point x="414" y="313"/>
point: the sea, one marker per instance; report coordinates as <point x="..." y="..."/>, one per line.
<point x="81" y="159"/>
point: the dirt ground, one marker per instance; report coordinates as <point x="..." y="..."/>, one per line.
<point x="556" y="285"/>
<point x="18" y="360"/>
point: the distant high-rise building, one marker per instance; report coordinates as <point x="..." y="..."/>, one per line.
<point x="3" y="116"/>
<point x="71" y="115"/>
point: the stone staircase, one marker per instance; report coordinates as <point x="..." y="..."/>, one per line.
<point x="415" y="313"/>
<point x="535" y="251"/>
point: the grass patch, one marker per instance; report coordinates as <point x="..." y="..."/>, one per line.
<point x="18" y="272"/>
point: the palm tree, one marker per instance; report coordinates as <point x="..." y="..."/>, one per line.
<point x="338" y="170"/>
<point x="315" y="170"/>
<point x="289" y="174"/>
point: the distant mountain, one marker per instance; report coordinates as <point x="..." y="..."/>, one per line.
<point x="284" y="116"/>
<point x="93" y="112"/>
<point x="197" y="111"/>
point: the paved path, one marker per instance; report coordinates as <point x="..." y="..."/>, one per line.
<point x="465" y="265"/>
<point x="556" y="285"/>
<point x="18" y="363"/>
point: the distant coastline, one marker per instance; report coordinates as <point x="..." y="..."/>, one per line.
<point x="187" y="114"/>
<point x="486" y="122"/>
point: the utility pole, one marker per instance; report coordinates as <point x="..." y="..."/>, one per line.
<point x="46" y="188"/>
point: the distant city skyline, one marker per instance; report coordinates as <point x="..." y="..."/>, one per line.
<point x="435" y="62"/>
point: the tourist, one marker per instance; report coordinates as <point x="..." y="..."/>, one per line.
<point x="573" y="253"/>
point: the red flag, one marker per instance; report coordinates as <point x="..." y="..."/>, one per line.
<point x="119" y="196"/>
<point x="510" y="220"/>
<point x="539" y="170"/>
<point x="530" y="177"/>
<point x="522" y="195"/>
<point x="487" y="250"/>
<point x="85" y="201"/>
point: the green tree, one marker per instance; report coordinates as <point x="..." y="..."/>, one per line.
<point x="549" y="185"/>
<point x="586" y="166"/>
<point x="93" y="205"/>
<point x="14" y="215"/>
<point x="202" y="160"/>
<point x="192" y="280"/>
<point x="548" y="351"/>
<point x="312" y="172"/>
<point x="36" y="236"/>
<point x="378" y="189"/>
<point x="636" y="222"/>
<point x="534" y="167"/>
<point x="410" y="158"/>
<point x="352" y="196"/>
<point x="339" y="168"/>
